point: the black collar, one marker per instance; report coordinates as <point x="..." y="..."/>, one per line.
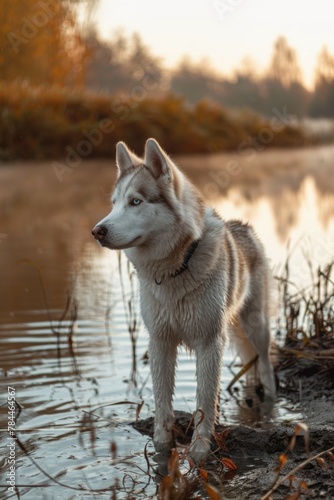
<point x="191" y="249"/>
<point x="187" y="256"/>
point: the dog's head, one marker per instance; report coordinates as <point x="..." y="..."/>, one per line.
<point x="146" y="199"/>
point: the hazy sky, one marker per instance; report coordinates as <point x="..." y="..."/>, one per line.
<point x="201" y="28"/>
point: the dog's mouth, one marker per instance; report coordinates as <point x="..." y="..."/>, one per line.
<point x="109" y="238"/>
<point x="114" y="246"/>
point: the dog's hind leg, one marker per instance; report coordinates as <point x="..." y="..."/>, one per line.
<point x="162" y="356"/>
<point x="243" y="348"/>
<point x="255" y="327"/>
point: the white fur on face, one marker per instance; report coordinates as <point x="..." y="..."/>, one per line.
<point x="132" y="225"/>
<point x="163" y="208"/>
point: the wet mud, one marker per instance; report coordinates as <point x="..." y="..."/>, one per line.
<point x="256" y="452"/>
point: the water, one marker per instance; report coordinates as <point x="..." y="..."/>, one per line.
<point x="79" y="379"/>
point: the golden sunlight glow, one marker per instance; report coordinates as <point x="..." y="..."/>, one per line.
<point x="224" y="31"/>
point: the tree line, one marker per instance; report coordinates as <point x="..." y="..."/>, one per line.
<point x="281" y="84"/>
<point x="118" y="64"/>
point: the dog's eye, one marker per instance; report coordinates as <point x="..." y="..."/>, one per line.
<point x="135" y="202"/>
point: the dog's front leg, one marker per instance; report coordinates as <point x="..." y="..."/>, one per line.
<point x="162" y="355"/>
<point x="208" y="369"/>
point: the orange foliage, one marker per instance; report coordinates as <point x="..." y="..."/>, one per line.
<point x="49" y="121"/>
<point x="40" y="43"/>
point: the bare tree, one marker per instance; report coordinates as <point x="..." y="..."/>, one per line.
<point x="322" y="103"/>
<point x="284" y="66"/>
<point x="324" y="71"/>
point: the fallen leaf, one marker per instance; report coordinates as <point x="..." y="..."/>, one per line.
<point x="322" y="463"/>
<point x="229" y="463"/>
<point x="220" y="438"/>
<point x="211" y="491"/>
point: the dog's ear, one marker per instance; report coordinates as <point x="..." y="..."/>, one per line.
<point x="157" y="160"/>
<point x="125" y="159"/>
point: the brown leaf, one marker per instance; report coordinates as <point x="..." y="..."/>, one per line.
<point x="291" y="479"/>
<point x="220" y="438"/>
<point x="282" y="459"/>
<point x="229" y="463"/>
<point x="173" y="465"/>
<point x="211" y="491"/>
<point x="166" y="486"/>
<point x="322" y="463"/>
<point x="292" y="443"/>
<point x="304" y="428"/>
<point x="203" y="473"/>
<point x="139" y="407"/>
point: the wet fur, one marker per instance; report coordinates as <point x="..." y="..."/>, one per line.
<point x="223" y="293"/>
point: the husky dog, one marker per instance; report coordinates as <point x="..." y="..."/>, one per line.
<point x="202" y="280"/>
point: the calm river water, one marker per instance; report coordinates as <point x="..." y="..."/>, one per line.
<point x="65" y="345"/>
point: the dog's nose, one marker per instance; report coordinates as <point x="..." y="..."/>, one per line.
<point x="99" y="232"/>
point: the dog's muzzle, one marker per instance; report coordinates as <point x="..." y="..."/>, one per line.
<point x="99" y="233"/>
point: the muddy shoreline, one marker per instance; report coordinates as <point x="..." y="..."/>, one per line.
<point x="256" y="452"/>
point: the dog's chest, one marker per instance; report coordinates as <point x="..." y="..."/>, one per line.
<point x="185" y="314"/>
<point x="171" y="302"/>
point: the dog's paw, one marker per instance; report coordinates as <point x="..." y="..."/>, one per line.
<point x="163" y="439"/>
<point x="163" y="447"/>
<point x="199" y="448"/>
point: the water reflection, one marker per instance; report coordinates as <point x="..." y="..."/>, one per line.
<point x="301" y="222"/>
<point x="71" y="339"/>
<point x="285" y="195"/>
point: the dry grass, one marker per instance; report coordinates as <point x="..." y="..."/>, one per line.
<point x="307" y="325"/>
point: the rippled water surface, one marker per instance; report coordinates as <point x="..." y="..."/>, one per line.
<point x="68" y="308"/>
